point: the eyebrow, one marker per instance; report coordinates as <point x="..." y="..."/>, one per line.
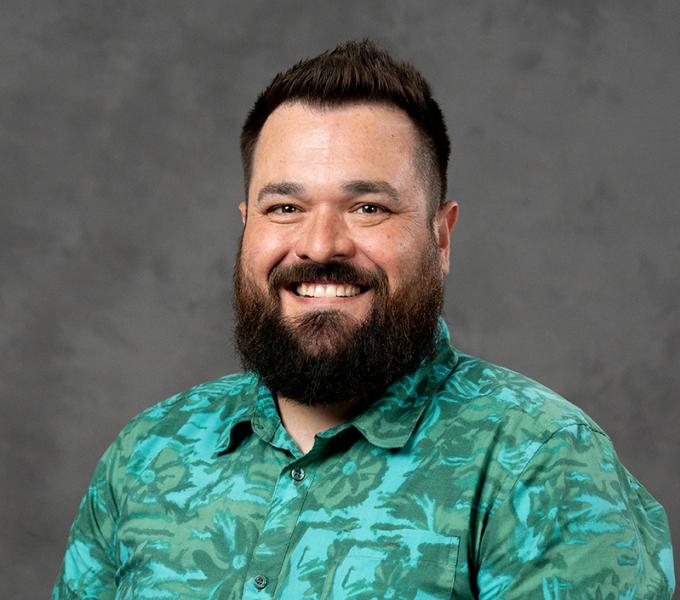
<point x="284" y="188"/>
<point x="357" y="187"/>
<point x="360" y="187"/>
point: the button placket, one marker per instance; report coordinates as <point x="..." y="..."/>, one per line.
<point x="269" y="553"/>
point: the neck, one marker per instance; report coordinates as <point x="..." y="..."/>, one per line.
<point x="303" y="422"/>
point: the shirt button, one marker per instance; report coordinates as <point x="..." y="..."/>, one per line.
<point x="297" y="474"/>
<point x="260" y="582"/>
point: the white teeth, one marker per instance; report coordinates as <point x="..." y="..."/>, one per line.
<point x="330" y="290"/>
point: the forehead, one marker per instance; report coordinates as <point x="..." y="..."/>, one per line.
<point x="355" y="141"/>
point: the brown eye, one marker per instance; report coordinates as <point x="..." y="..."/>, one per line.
<point x="370" y="209"/>
<point x="283" y="209"/>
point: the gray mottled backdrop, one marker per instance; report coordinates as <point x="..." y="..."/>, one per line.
<point x="118" y="224"/>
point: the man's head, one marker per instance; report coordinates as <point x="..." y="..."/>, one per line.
<point x="338" y="284"/>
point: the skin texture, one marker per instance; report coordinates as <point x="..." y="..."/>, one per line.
<point x="337" y="184"/>
<point x="321" y="151"/>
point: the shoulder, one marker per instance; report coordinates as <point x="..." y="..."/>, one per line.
<point x="503" y="418"/>
<point x="194" y="419"/>
<point x="548" y="487"/>
<point x="493" y="397"/>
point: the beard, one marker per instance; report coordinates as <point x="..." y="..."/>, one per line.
<point x="327" y="357"/>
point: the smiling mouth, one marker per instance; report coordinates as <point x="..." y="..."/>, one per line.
<point x="326" y="290"/>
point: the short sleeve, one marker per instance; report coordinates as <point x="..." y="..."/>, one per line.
<point x="576" y="524"/>
<point x="88" y="569"/>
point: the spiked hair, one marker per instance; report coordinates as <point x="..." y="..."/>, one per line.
<point x="356" y="72"/>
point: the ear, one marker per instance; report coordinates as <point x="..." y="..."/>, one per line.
<point x="243" y="207"/>
<point x="445" y="222"/>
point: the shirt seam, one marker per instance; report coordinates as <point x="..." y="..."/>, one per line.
<point x="552" y="434"/>
<point x="542" y="444"/>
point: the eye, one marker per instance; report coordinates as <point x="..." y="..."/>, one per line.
<point x="283" y="209"/>
<point x="370" y="209"/>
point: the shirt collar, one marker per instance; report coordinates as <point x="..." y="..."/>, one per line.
<point x="259" y="414"/>
<point x="235" y="419"/>
<point x="387" y="423"/>
<point x="390" y="421"/>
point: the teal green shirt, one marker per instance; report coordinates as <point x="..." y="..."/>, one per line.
<point x="466" y="480"/>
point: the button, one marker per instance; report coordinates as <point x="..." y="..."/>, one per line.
<point x="260" y="582"/>
<point x="297" y="474"/>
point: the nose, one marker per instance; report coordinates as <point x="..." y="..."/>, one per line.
<point x="324" y="237"/>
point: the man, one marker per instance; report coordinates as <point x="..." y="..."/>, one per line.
<point x="361" y="456"/>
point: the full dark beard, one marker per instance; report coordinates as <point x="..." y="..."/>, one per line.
<point x="328" y="357"/>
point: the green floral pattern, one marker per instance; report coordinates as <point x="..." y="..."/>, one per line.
<point x="465" y="480"/>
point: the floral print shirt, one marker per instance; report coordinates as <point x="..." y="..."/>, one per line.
<point x="466" y="480"/>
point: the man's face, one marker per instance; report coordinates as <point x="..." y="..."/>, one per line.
<point x="336" y="227"/>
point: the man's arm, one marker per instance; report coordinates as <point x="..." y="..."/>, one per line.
<point x="576" y="524"/>
<point x="88" y="569"/>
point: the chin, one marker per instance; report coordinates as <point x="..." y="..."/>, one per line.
<point x="323" y="332"/>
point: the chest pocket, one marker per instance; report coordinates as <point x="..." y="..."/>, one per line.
<point x="402" y="564"/>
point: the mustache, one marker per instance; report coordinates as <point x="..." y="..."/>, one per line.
<point x="332" y="272"/>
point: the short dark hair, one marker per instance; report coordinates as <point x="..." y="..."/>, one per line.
<point x="358" y="71"/>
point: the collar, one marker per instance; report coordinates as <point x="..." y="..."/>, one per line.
<point x="388" y="423"/>
<point x="237" y="420"/>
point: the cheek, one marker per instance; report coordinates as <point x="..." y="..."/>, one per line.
<point x="395" y="255"/>
<point x="261" y="249"/>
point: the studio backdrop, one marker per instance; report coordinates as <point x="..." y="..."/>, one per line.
<point x="121" y="177"/>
